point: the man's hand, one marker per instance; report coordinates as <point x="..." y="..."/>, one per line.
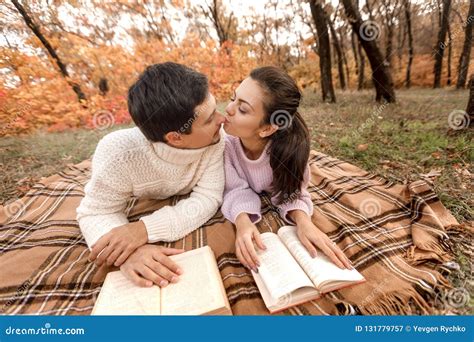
<point x="150" y="265"/>
<point x="115" y="246"/>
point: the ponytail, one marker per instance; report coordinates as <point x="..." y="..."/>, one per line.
<point x="289" y="154"/>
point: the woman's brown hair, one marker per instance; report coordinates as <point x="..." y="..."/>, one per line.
<point x="290" y="144"/>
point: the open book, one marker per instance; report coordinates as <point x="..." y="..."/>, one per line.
<point x="289" y="276"/>
<point x="199" y="291"/>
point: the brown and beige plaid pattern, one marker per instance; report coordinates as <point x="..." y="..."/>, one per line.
<point x="397" y="236"/>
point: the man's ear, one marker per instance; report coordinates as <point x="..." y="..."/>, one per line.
<point x="174" y="139"/>
<point x="268" y="130"/>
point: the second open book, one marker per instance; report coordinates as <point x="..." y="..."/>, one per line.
<point x="289" y="276"/>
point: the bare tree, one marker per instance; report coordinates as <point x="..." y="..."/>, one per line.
<point x="450" y="54"/>
<point x="440" y="46"/>
<point x="52" y="52"/>
<point x="406" y="5"/>
<point x="320" y="21"/>
<point x="338" y="49"/>
<point x="223" y="24"/>
<point x="466" y="50"/>
<point x="470" y="103"/>
<point x="381" y="76"/>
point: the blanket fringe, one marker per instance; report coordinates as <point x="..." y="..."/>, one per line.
<point x="409" y="302"/>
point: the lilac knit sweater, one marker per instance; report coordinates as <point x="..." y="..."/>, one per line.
<point x="245" y="178"/>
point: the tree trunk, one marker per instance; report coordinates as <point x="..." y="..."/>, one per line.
<point x="381" y="76"/>
<point x="344" y="58"/>
<point x="62" y="67"/>
<point x="410" y="43"/>
<point x="354" y="52"/>
<point x="389" y="47"/>
<point x="466" y="50"/>
<point x="450" y="53"/>
<point x="361" y="78"/>
<point x="320" y="20"/>
<point x="337" y="48"/>
<point x="470" y="103"/>
<point x="440" y="46"/>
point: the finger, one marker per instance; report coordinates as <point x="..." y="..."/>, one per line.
<point x="246" y="255"/>
<point x="330" y="254"/>
<point x="160" y="268"/>
<point x="104" y="255"/>
<point x="136" y="278"/>
<point x="170" y="264"/>
<point x="122" y="258"/>
<point x="98" y="247"/>
<point x="150" y="274"/>
<point x="239" y="256"/>
<point x="309" y="246"/>
<point x="114" y="255"/>
<point x="258" y="240"/>
<point x="172" y="251"/>
<point x="251" y="249"/>
<point x="340" y="254"/>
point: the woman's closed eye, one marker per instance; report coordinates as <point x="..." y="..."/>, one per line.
<point x="232" y="98"/>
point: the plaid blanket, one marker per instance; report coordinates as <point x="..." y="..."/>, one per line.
<point x="396" y="235"/>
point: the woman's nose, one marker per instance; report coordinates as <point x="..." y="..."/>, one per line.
<point x="229" y="109"/>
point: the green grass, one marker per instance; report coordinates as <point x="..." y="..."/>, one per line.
<point x="400" y="141"/>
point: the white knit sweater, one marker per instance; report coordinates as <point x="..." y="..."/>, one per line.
<point x="126" y="164"/>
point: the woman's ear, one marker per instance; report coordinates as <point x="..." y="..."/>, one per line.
<point x="174" y="139"/>
<point x="268" y="130"/>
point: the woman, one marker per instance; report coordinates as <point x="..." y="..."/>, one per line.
<point x="267" y="149"/>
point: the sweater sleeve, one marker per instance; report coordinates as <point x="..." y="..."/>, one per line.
<point x="301" y="202"/>
<point x="106" y="196"/>
<point x="238" y="196"/>
<point x="172" y="223"/>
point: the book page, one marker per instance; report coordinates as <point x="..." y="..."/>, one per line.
<point x="119" y="296"/>
<point x="278" y="269"/>
<point x="320" y="269"/>
<point x="199" y="289"/>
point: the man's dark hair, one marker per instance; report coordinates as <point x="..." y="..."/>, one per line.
<point x="164" y="99"/>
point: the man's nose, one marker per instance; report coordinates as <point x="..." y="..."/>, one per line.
<point x="220" y="118"/>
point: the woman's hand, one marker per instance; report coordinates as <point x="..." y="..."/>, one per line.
<point x="310" y="236"/>
<point x="247" y="233"/>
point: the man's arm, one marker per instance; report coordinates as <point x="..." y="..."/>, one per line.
<point x="106" y="195"/>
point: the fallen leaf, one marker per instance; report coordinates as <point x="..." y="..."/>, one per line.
<point x="362" y="147"/>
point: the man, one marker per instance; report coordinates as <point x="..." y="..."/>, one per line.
<point x="175" y="149"/>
